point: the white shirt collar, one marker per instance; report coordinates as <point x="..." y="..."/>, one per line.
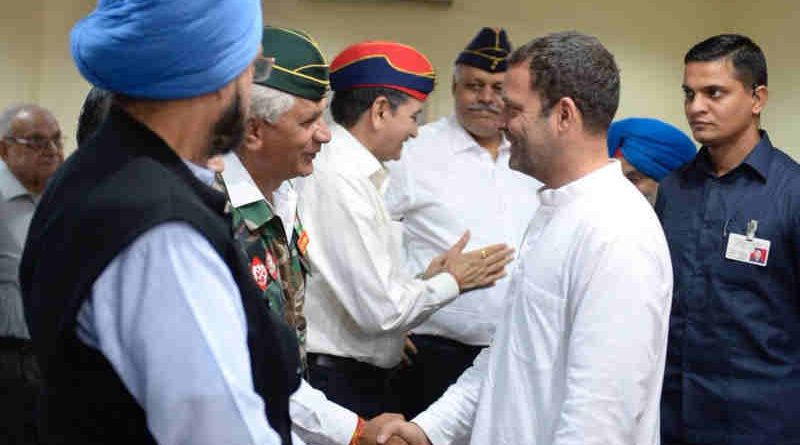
<point x="242" y="190"/>
<point x="360" y="161"/>
<point x="464" y="141"/>
<point x="10" y="187"/>
<point x="575" y="189"/>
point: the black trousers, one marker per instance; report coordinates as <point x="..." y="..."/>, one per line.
<point x="19" y="392"/>
<point x="359" y="387"/>
<point x="437" y="365"/>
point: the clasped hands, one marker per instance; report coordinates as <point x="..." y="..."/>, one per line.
<point x="392" y="429"/>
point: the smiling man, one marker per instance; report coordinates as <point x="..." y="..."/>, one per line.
<point x="732" y="218"/>
<point x="285" y="131"/>
<point x="455" y="176"/>
<point x="360" y="301"/>
<point x="579" y="356"/>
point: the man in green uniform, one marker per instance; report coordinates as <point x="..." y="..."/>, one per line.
<point x="285" y="130"/>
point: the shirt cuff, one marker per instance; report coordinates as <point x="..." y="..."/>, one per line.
<point x="318" y="420"/>
<point x="428" y="423"/>
<point x="444" y="285"/>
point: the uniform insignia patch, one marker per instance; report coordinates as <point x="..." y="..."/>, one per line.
<point x="302" y="242"/>
<point x="259" y="272"/>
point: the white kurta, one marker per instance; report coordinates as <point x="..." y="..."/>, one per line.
<point x="579" y="358"/>
<point x="359" y="300"/>
<point x="444" y="184"/>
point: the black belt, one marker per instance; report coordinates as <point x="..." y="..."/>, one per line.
<point x="346" y="364"/>
<point x="447" y="342"/>
<point x="15" y="344"/>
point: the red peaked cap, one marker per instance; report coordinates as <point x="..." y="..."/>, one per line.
<point x="383" y="64"/>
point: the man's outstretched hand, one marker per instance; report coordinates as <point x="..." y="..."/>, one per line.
<point x="398" y="431"/>
<point x="477" y="268"/>
<point x="372" y="428"/>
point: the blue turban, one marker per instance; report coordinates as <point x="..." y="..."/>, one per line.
<point x="166" y="49"/>
<point x="653" y="147"/>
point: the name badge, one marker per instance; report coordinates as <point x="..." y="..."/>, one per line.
<point x="749" y="250"/>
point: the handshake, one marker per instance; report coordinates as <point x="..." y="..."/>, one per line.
<point x="391" y="429"/>
<point x="474" y="269"/>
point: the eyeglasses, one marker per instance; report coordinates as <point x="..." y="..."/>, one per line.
<point x="262" y="68"/>
<point x="38" y="143"/>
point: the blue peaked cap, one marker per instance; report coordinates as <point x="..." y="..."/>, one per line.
<point x="166" y="49"/>
<point x="654" y="147"/>
<point x="488" y="50"/>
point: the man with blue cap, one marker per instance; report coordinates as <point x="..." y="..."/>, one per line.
<point x="455" y="176"/>
<point x="648" y="150"/>
<point x="359" y="300"/>
<point x="145" y="317"/>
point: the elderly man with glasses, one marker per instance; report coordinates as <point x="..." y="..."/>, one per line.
<point x="31" y="150"/>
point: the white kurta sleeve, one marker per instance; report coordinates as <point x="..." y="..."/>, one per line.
<point x="319" y="421"/>
<point x="620" y="303"/>
<point x="449" y="419"/>
<point x="167" y="315"/>
<point x="351" y="248"/>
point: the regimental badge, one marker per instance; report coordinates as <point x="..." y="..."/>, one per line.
<point x="259" y="272"/>
<point x="302" y="242"/>
<point x="272" y="267"/>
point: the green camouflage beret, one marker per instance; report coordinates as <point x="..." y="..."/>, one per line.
<point x="300" y="68"/>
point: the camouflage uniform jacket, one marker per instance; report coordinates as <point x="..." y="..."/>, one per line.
<point x="279" y="267"/>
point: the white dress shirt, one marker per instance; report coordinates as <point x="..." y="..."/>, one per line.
<point x="188" y="366"/>
<point x="359" y="299"/>
<point x="444" y="184"/>
<point x="17" y="205"/>
<point x="579" y="358"/>
<point x="315" y="419"/>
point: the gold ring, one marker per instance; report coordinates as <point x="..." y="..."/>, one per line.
<point x="483" y="254"/>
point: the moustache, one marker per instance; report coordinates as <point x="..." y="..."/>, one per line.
<point x="485" y="107"/>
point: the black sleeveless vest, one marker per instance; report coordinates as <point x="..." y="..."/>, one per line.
<point x="123" y="182"/>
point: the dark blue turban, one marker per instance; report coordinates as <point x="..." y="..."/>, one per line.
<point x="166" y="49"/>
<point x="653" y="147"/>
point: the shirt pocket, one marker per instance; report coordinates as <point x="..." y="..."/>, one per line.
<point x="538" y="328"/>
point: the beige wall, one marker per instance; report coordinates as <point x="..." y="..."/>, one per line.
<point x="775" y="26"/>
<point x="34" y="38"/>
<point x="20" y="46"/>
<point x="648" y="37"/>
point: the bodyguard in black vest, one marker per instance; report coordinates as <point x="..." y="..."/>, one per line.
<point x="145" y="318"/>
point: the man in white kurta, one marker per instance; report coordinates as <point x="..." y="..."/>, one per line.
<point x="579" y="357"/>
<point x="452" y="177"/>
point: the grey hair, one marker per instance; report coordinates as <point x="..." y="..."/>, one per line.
<point x="457" y="73"/>
<point x="268" y="103"/>
<point x="9" y="114"/>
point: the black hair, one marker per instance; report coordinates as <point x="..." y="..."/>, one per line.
<point x="574" y="65"/>
<point x="93" y="113"/>
<point x="347" y="106"/>
<point x="749" y="64"/>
